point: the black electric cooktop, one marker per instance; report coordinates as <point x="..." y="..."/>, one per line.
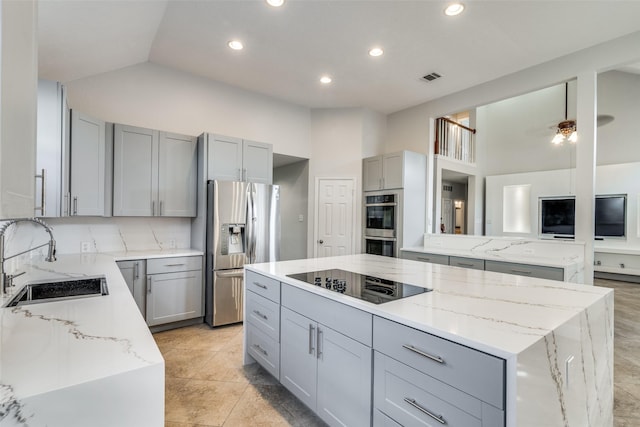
<point x="361" y="286"/>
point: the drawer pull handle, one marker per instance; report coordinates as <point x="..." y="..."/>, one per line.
<point x="464" y="264"/>
<point x="423" y="259"/>
<point x="419" y="407"/>
<point x="260" y="285"/>
<point x="257" y="313"/>
<point x="527" y="273"/>
<point x="261" y="350"/>
<point x="422" y="353"/>
<point x="174" y="265"/>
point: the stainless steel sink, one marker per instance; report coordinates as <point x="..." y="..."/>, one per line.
<point x="59" y="290"/>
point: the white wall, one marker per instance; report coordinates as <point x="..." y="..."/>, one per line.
<point x="293" y="180"/>
<point x="158" y="97"/>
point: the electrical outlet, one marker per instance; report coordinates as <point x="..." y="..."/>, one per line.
<point x="172" y="243"/>
<point x="85" y="247"/>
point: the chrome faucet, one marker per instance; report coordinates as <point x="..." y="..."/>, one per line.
<point x="6" y="280"/>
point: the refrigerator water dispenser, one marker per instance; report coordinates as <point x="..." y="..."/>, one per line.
<point x="232" y="239"/>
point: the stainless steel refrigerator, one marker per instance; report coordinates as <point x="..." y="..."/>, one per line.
<point x="243" y="227"/>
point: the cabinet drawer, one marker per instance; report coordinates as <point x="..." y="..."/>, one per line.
<point x="264" y="350"/>
<point x="263" y="314"/>
<point x="413" y="398"/>
<point x="262" y="285"/>
<point x="171" y="265"/>
<point x="350" y="321"/>
<point x="432" y="258"/>
<point x="479" y="374"/>
<point x="553" y="273"/>
<point x="457" y="261"/>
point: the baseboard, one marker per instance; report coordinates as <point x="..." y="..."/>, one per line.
<point x="174" y="325"/>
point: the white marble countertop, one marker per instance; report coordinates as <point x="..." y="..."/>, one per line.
<point x="155" y="253"/>
<point x="52" y="346"/>
<point x="530" y="259"/>
<point x="500" y="314"/>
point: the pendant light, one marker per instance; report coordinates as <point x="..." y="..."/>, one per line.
<point x="567" y="129"/>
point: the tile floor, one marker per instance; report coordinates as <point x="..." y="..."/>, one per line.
<point x="206" y="384"/>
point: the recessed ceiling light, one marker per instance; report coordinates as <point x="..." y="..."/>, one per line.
<point x="275" y="3"/>
<point x="235" y="45"/>
<point x="325" y="80"/>
<point x="454" y="9"/>
<point x="376" y="51"/>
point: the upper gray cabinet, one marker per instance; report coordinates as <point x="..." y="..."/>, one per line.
<point x="390" y="171"/>
<point x="89" y="166"/>
<point x="154" y="173"/>
<point x="235" y="159"/>
<point x="51" y="147"/>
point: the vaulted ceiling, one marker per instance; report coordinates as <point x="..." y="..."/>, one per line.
<point x="288" y="48"/>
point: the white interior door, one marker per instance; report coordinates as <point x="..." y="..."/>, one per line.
<point x="447" y="216"/>
<point x="335" y="217"/>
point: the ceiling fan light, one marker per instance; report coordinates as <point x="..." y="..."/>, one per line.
<point x="573" y="137"/>
<point x="558" y="138"/>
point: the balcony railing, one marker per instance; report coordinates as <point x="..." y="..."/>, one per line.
<point x="455" y="141"/>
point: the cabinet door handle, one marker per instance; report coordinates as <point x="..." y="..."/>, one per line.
<point x="261" y="350"/>
<point x="42" y="193"/>
<point x="75" y="206"/>
<point x="257" y="313"/>
<point x="425" y="411"/>
<point x="311" y="330"/>
<point x="422" y="353"/>
<point x="525" y="272"/>
<point x="153" y="208"/>
<point x="239" y="174"/>
<point x="244" y="174"/>
<point x="175" y="265"/>
<point x="136" y="272"/>
<point x="318" y="340"/>
<point x="149" y="284"/>
<point x="260" y="285"/>
<point x="67" y="204"/>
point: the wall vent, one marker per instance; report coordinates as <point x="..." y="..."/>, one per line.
<point x="431" y="77"/>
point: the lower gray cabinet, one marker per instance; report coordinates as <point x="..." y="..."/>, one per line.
<point x="542" y="272"/>
<point x="135" y="275"/>
<point x="174" y="289"/>
<point x="329" y="372"/>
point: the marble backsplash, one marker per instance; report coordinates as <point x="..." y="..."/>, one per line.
<point x="122" y="234"/>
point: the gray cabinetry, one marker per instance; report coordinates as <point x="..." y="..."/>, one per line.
<point x="262" y="321"/>
<point x="425" y="257"/>
<point x="473" y="263"/>
<point x="88" y="166"/>
<point x="423" y="379"/>
<point x="390" y="171"/>
<point x="174" y="289"/>
<point x="135" y="275"/>
<point x="235" y="159"/>
<point x="154" y="173"/>
<point x="52" y="128"/>
<point x="553" y="273"/>
<point x="316" y="360"/>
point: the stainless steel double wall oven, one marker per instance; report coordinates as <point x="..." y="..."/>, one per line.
<point x="382" y="222"/>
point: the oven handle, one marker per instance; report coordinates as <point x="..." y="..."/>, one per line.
<point x="386" y="239"/>
<point x="368" y="205"/>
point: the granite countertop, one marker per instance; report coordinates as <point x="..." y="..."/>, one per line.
<point x="52" y="346"/>
<point x="531" y="259"/>
<point x="500" y="314"/>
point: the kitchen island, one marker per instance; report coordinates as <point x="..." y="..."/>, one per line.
<point x="480" y="349"/>
<point x="80" y="362"/>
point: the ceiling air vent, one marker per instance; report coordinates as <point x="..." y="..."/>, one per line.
<point x="431" y="77"/>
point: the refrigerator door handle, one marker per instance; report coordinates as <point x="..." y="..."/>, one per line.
<point x="230" y="273"/>
<point x="251" y="236"/>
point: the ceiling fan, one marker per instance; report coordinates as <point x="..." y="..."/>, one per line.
<point x="567" y="129"/>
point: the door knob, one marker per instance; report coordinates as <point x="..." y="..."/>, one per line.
<point x="321" y="241"/>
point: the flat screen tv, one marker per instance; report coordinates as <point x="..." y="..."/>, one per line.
<point x="610" y="215"/>
<point x="558" y="217"/>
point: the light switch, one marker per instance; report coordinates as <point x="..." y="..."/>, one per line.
<point x="300" y="218"/>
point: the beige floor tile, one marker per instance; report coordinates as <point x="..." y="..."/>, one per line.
<point x="200" y="402"/>
<point x="223" y="367"/>
<point x="254" y="409"/>
<point x="182" y="363"/>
